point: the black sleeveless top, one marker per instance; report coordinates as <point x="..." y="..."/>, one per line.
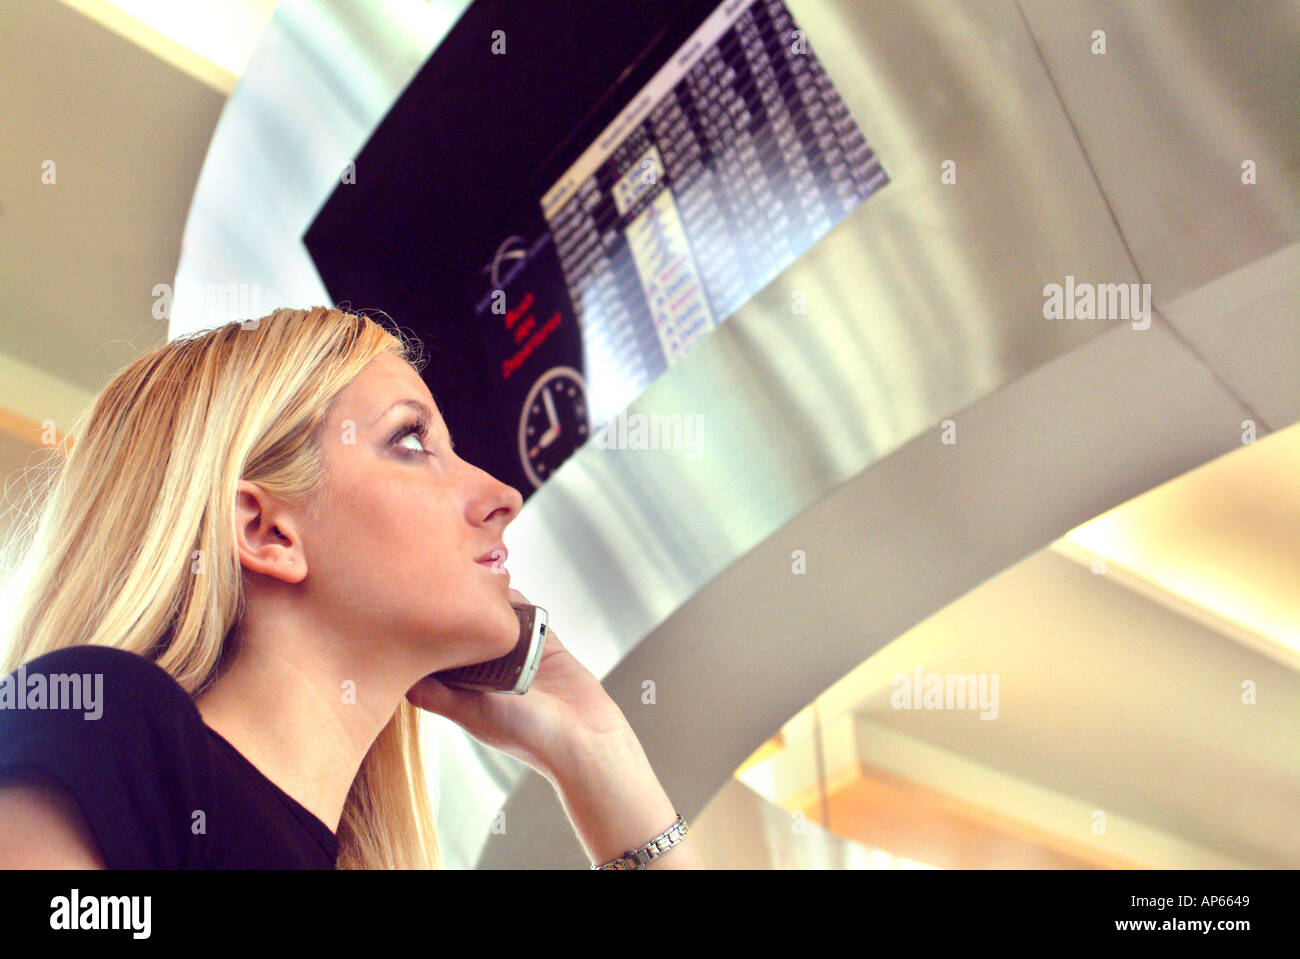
<point x="159" y="788"/>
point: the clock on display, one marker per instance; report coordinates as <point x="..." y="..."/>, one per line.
<point x="553" y="422"/>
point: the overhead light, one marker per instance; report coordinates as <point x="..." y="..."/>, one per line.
<point x="210" y="40"/>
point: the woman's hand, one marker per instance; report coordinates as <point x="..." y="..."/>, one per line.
<point x="564" y="709"/>
<point x="568" y="729"/>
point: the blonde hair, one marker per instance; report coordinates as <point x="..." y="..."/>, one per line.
<point x="134" y="543"/>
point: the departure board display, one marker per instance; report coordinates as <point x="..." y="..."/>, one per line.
<point x="731" y="162"/>
<point x="728" y="164"/>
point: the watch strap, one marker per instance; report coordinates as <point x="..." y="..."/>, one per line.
<point x="656" y="847"/>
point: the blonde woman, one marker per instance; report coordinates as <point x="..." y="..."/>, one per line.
<point x="261" y="544"/>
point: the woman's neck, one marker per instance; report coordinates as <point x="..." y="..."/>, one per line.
<point x="305" y="720"/>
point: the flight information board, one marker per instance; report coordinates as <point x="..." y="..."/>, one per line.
<point x="731" y="162"/>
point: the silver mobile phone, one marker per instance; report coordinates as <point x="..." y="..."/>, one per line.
<point x="513" y="672"/>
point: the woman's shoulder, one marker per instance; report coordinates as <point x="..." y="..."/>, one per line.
<point x="85" y="672"/>
<point x="103" y="699"/>
<point x="122" y="735"/>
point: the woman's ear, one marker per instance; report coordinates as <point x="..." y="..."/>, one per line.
<point x="266" y="535"/>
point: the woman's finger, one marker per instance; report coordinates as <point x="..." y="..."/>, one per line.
<point x="431" y="695"/>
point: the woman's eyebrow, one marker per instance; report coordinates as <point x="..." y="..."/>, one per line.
<point x="416" y="404"/>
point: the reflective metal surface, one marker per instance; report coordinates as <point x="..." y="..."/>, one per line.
<point x="821" y="430"/>
<point x="1185" y="94"/>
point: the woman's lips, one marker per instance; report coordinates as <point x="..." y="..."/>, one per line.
<point x="495" y="559"/>
<point x="499" y="571"/>
<point x="497" y="554"/>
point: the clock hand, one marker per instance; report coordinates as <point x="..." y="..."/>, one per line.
<point x="550" y="407"/>
<point x="547" y="438"/>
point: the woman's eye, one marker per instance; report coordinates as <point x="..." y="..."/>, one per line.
<point x="412" y="432"/>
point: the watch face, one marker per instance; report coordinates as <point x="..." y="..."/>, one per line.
<point x="553" y="422"/>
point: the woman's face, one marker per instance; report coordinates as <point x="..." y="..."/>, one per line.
<point x="391" y="547"/>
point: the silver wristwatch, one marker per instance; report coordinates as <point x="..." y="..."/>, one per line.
<point x="656" y="847"/>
